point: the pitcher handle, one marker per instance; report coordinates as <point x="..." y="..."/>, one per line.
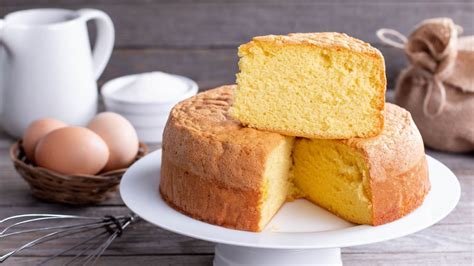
<point x="104" y="43"/>
<point x="2" y="23"/>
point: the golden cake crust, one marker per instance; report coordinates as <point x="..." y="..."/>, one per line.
<point x="397" y="149"/>
<point x="209" y="200"/>
<point x="202" y="142"/>
<point x="397" y="166"/>
<point x="330" y="40"/>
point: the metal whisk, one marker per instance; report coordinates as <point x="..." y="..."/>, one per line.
<point x="103" y="230"/>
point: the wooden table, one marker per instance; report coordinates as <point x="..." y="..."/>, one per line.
<point x="450" y="242"/>
<point x="198" y="39"/>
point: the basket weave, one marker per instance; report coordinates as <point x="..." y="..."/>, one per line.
<point x="70" y="189"/>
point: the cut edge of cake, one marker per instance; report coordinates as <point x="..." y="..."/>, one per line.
<point x="330" y="41"/>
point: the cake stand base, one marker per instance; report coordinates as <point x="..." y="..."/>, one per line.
<point x="228" y="255"/>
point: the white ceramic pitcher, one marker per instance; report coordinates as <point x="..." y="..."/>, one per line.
<point x="48" y="68"/>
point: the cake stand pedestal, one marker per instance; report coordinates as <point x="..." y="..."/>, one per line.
<point x="300" y="233"/>
<point x="228" y="255"/>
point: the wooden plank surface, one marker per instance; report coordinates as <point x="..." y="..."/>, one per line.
<point x="364" y="259"/>
<point x="143" y="239"/>
<point x="182" y="260"/>
<point x="450" y="242"/>
<point x="141" y="2"/>
<point x="230" y="23"/>
<point x="199" y="39"/>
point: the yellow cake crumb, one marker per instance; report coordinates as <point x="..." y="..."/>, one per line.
<point x="334" y="176"/>
<point x="317" y="85"/>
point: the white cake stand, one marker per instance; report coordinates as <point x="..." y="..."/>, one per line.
<point x="301" y="233"/>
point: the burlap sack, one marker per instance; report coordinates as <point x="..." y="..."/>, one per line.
<point x="438" y="85"/>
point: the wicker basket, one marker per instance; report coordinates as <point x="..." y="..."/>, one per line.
<point x="74" y="189"/>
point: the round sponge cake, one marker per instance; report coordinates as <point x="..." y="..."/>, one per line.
<point x="216" y="170"/>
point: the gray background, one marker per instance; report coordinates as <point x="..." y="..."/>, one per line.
<point x="199" y="38"/>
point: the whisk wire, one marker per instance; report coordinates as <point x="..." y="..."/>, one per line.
<point x="90" y="249"/>
<point x="89" y="258"/>
<point x="64" y="252"/>
<point x="49" y="237"/>
<point x="53" y="216"/>
<point x="112" y="238"/>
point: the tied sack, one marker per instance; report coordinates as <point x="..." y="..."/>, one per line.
<point x="438" y="85"/>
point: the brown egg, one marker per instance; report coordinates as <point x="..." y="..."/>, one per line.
<point x="72" y="150"/>
<point x="35" y="131"/>
<point x="120" y="136"/>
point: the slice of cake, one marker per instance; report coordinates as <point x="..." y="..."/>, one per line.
<point x="318" y="85"/>
<point x="217" y="171"/>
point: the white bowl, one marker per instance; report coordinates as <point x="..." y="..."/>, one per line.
<point x="141" y="107"/>
<point x="150" y="134"/>
<point x="138" y="108"/>
<point x="147" y="121"/>
<point x="148" y="117"/>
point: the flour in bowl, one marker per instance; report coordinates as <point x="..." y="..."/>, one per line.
<point x="152" y="87"/>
